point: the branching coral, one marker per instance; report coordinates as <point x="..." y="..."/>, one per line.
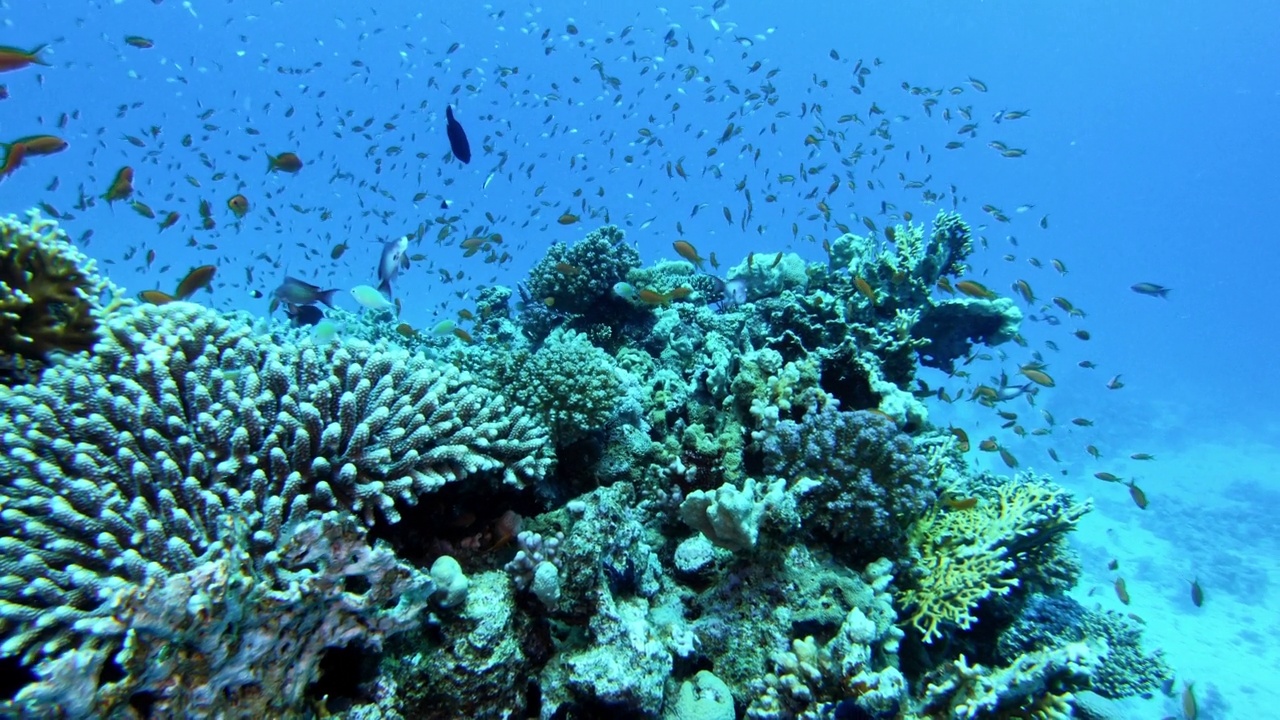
<point x="967" y="555"/>
<point x="49" y="291"/>
<point x="190" y="503"/>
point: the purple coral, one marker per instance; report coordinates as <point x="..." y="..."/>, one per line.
<point x="873" y="482"/>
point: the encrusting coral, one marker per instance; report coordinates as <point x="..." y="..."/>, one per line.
<point x="191" y="501"/>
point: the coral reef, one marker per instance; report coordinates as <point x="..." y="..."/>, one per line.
<point x="678" y="505"/>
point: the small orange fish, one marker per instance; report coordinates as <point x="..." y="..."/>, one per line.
<point x="567" y="269"/>
<point x="198" y="278"/>
<point x="686" y="250"/>
<point x="1106" y="477"/>
<point x="406" y="330"/>
<point x="1190" y="709"/>
<point x="568" y="219"/>
<point x="962" y="439"/>
<point x="975" y="289"/>
<point x="41" y="144"/>
<point x="989" y="445"/>
<point x="653" y="297"/>
<point x="170" y="220"/>
<point x="1008" y="458"/>
<point x="1139" y="497"/>
<point x="13" y="158"/>
<point x="121" y="187"/>
<point x="1094" y="451"/>
<point x="1023" y="288"/>
<point x="284" y="162"/>
<point x="463" y="335"/>
<point x="1197" y="593"/>
<point x="956" y="503"/>
<point x="1038" y="377"/>
<point x="143" y="209"/>
<point x="12" y="58"/>
<point x="1121" y="591"/>
<point x="139" y="42"/>
<point x="238" y="205"/>
<point x="155" y="297"/>
<point x="944" y="284"/>
<point x="864" y="287"/>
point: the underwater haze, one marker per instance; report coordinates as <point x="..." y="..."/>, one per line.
<point x="680" y="316"/>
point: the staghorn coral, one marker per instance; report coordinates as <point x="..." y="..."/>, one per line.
<point x="191" y="501"/>
<point x="49" y="292"/>
<point x="968" y="555"/>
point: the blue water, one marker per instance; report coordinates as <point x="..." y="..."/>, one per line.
<point x="1151" y="147"/>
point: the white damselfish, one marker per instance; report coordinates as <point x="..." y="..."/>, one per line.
<point x="369" y="297"/>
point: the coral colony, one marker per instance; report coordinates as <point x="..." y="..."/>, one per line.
<point x="618" y="493"/>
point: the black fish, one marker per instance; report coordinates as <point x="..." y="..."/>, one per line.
<point x="457" y="138"/>
<point x="303" y="315"/>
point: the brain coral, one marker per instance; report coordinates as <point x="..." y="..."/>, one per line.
<point x="187" y="508"/>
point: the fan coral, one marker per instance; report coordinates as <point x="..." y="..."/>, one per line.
<point x="968" y="555"/>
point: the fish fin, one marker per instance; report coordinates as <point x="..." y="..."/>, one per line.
<point x="271" y="163"/>
<point x="384" y="287"/>
<point x="404" y="262"/>
<point x="326" y="297"/>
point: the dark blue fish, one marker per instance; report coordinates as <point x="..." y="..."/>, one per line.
<point x="457" y="137"/>
<point x="303" y="315"/>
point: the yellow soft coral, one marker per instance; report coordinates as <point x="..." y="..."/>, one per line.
<point x="967" y="555"/>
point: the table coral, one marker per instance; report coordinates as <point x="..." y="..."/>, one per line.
<point x="191" y="501"/>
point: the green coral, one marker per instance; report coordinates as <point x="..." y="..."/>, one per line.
<point x="571" y="384"/>
<point x="578" y="277"/>
<point x="49" y="291"/>
<point x="967" y="555"/>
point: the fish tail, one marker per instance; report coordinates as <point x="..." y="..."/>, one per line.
<point x="326" y="297"/>
<point x="1164" y="293"/>
<point x="384" y="287"/>
<point x="271" y="163"/>
<point x="35" y="55"/>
